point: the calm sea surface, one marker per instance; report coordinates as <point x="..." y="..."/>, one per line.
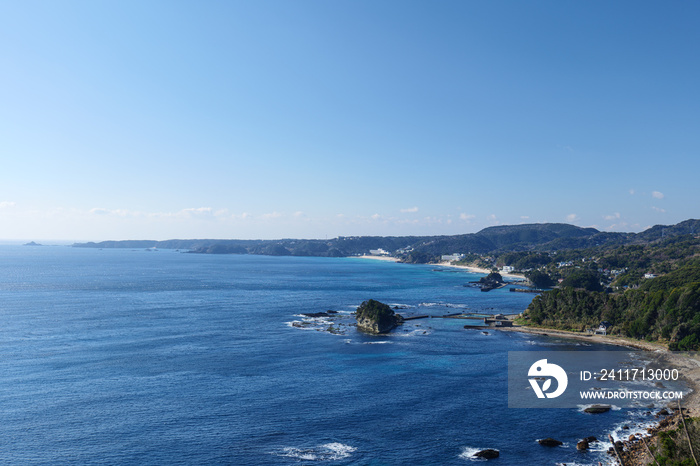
<point x="158" y="357"/>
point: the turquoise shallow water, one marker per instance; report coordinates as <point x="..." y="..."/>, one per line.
<point x="136" y="357"/>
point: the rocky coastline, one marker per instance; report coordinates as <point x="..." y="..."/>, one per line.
<point x="640" y="449"/>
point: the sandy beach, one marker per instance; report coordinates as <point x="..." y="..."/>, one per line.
<point x="479" y="270"/>
<point x="445" y="264"/>
<point x="377" y="258"/>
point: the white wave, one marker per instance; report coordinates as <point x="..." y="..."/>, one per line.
<point x="638" y="425"/>
<point x="454" y="305"/>
<point x="299" y="325"/>
<point x="413" y="333"/>
<point x="326" y="452"/>
<point x="469" y="452"/>
<point x="338" y="450"/>
<point x="302" y="454"/>
<point x="377" y="342"/>
<point x="576" y="464"/>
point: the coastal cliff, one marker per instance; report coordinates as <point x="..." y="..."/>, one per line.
<point x="375" y="317"/>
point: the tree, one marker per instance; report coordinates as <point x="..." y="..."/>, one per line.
<point x="540" y="279"/>
<point x="586" y="279"/>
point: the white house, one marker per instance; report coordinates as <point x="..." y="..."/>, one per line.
<point x="379" y="252"/>
<point x="602" y="328"/>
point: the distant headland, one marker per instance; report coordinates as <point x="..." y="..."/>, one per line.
<point x="543" y="237"/>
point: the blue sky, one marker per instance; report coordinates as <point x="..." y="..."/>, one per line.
<point x="271" y="119"/>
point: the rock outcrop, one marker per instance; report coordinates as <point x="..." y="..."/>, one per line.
<point x="597" y="409"/>
<point x="487" y="454"/>
<point x="375" y="317"/>
<point x="549" y="442"/>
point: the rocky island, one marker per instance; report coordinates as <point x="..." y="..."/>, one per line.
<point x="375" y="317"/>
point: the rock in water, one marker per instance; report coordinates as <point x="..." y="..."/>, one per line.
<point x="597" y="409"/>
<point x="582" y="445"/>
<point x="488" y="454"/>
<point x="549" y="442"/>
<point x="375" y="317"/>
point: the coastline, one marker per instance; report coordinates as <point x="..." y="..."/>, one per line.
<point x="634" y="450"/>
<point x="472" y="269"/>
<point x="468" y="268"/>
<point x="377" y="258"/>
<point x="689" y="364"/>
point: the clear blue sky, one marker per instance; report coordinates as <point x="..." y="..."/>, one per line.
<point x="270" y="119"/>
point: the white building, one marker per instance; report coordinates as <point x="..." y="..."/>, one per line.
<point x="649" y="275"/>
<point x="507" y="269"/>
<point x="379" y="252"/>
<point x="452" y="257"/>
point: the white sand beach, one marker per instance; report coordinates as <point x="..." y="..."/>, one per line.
<point x="479" y="270"/>
<point x="378" y="258"/>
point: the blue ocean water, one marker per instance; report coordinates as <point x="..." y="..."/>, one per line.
<point x="160" y="357"/>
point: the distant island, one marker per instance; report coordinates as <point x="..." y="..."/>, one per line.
<point x="32" y="243"/>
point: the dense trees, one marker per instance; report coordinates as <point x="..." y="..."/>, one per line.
<point x="540" y="279"/>
<point x="586" y="279"/>
<point x="666" y="308"/>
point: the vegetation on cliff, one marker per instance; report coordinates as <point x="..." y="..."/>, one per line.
<point x="664" y="308"/>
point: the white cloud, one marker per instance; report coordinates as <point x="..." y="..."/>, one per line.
<point x="115" y="212"/>
<point x="657" y="195"/>
<point x="621" y="226"/>
<point x="196" y="211"/>
<point x="376" y="216"/>
<point x="411" y="209"/>
<point x="464" y="216"/>
<point x="492" y="217"/>
<point x="658" y="209"/>
<point x="6" y="204"/>
<point x="614" y="216"/>
<point x="632" y="192"/>
<point x="571" y="218"/>
<point x="299" y="213"/>
<point x="525" y="217"/>
<point x="272" y="215"/>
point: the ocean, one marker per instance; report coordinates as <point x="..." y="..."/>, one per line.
<point x="160" y="357"/>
